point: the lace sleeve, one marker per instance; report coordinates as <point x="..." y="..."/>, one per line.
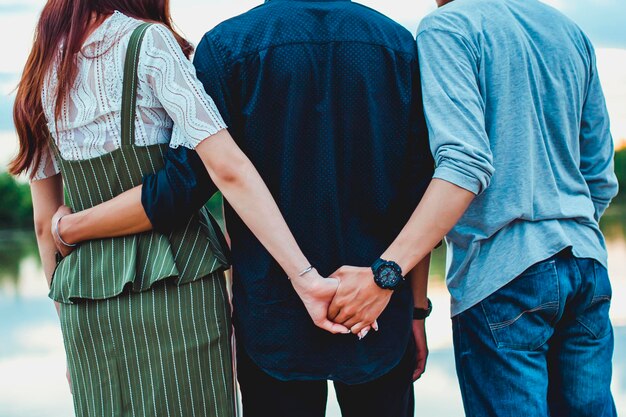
<point x="48" y="167"/>
<point x="173" y="81"/>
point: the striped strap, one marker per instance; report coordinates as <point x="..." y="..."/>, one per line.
<point x="129" y="92"/>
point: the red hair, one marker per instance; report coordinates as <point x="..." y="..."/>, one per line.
<point x="67" y="22"/>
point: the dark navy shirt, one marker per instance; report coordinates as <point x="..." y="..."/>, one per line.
<point x="324" y="98"/>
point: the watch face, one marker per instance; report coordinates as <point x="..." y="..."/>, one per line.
<point x="388" y="276"/>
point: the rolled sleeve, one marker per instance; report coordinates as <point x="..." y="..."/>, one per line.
<point x="447" y="171"/>
<point x="173" y="194"/>
<point x="454" y="110"/>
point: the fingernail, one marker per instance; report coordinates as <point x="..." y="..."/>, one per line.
<point x="365" y="334"/>
<point x="347" y="332"/>
<point x="375" y="326"/>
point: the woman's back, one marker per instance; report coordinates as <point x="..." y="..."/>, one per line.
<point x="171" y="104"/>
<point x="142" y="315"/>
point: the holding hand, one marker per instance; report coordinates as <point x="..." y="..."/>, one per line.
<point x="359" y="300"/>
<point x="316" y="293"/>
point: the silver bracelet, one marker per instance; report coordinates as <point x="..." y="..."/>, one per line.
<point x="58" y="235"/>
<point x="306" y="271"/>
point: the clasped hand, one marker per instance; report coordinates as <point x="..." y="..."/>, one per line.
<point x="349" y="301"/>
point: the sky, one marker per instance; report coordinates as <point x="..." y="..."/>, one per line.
<point x="603" y="20"/>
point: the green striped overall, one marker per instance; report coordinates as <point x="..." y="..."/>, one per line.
<point x="145" y="318"/>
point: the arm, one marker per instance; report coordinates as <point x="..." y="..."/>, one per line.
<point x="47" y="197"/>
<point x="454" y="111"/>
<point x="121" y="216"/>
<point x="596" y="144"/>
<point x="441" y="208"/>
<point x="418" y="278"/>
<point x="240" y="183"/>
<point x="359" y="301"/>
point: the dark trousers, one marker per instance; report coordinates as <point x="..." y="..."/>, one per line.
<point x="388" y="396"/>
<point x="540" y="346"/>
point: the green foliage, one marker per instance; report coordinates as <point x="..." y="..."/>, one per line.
<point x="16" y="206"/>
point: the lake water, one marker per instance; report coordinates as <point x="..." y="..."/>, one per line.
<point x="32" y="360"/>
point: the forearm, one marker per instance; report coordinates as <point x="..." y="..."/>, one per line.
<point x="47" y="197"/>
<point x="47" y="253"/>
<point x="254" y="204"/>
<point x="124" y="215"/>
<point x="440" y="209"/>
<point x="176" y="192"/>
<point x="418" y="278"/>
<point x="243" y="188"/>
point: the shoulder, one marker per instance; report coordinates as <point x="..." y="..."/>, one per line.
<point x="276" y="23"/>
<point x="157" y="32"/>
<point x="125" y="25"/>
<point x="392" y="33"/>
<point x="459" y="16"/>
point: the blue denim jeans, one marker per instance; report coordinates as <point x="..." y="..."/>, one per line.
<point x="540" y="346"/>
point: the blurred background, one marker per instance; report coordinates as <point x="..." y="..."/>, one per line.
<point x="32" y="360"/>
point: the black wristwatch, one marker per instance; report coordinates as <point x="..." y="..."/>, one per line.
<point x="387" y="274"/>
<point x="420" y="313"/>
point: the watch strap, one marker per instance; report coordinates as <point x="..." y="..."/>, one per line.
<point x="420" y="313"/>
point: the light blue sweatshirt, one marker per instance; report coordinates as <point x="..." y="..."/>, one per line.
<point x="516" y="115"/>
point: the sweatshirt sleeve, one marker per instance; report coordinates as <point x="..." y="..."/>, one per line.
<point x="454" y="109"/>
<point x="596" y="144"/>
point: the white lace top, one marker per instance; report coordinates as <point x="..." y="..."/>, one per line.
<point x="172" y="106"/>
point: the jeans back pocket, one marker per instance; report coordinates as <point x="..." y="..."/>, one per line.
<point x="521" y="315"/>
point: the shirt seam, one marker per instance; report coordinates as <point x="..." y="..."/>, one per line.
<point x="240" y="57"/>
<point x="213" y="39"/>
<point x="451" y="32"/>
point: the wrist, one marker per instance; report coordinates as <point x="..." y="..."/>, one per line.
<point x="387" y="274"/>
<point x="406" y="254"/>
<point x="297" y="268"/>
<point x="421" y="303"/>
<point x="69" y="230"/>
<point x="306" y="282"/>
<point x="422" y="313"/>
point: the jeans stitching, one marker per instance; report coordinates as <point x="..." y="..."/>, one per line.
<point x="595" y="300"/>
<point x="592" y="333"/>
<point x="600" y="298"/>
<point x="493" y="335"/>
<point x="550" y="304"/>
<point x="507" y="323"/>
<point x="461" y="372"/>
